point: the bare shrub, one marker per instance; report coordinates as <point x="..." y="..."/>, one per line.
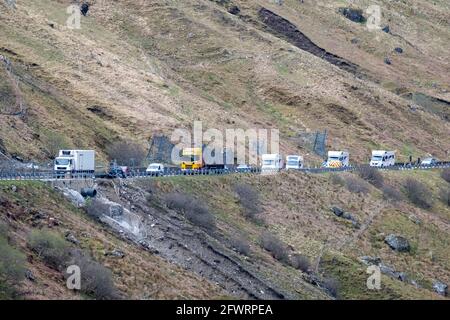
<point x="249" y="200"/>
<point x="275" y="246"/>
<point x="357" y="185"/>
<point x="55" y="142"/>
<point x="444" y="196"/>
<point x="49" y="246"/>
<point x="371" y="175"/>
<point x="300" y="262"/>
<point x="337" y="179"/>
<point x="392" y="194"/>
<point x="96" y="280"/>
<point x="193" y="210"/>
<point x="418" y="193"/>
<point x="126" y="153"/>
<point x="12" y="268"/>
<point x="446" y="175"/>
<point x="332" y="286"/>
<point x="240" y="245"/>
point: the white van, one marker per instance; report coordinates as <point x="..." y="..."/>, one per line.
<point x="294" y="162"/>
<point x="382" y="158"/>
<point x="337" y="159"/>
<point x="271" y="162"/>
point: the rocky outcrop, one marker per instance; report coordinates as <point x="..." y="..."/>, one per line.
<point x="440" y="288"/>
<point x="355" y="15"/>
<point x="398" y="243"/>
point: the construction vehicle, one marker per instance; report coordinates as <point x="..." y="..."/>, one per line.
<point x="194" y="159"/>
<point x="337" y="159"/>
<point x="382" y="158"/>
<point x="294" y="162"/>
<point x="75" y="161"/>
<point x="271" y="162"/>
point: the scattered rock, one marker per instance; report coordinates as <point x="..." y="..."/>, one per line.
<point x="234" y="10"/>
<point x="52" y="222"/>
<point x="71" y="238"/>
<point x="84" y="8"/>
<point x="345" y="215"/>
<point x="370" y="261"/>
<point x="354" y="40"/>
<point x="37" y="215"/>
<point x="354" y="15"/>
<point x="397" y="243"/>
<point x="29" y="275"/>
<point x="398" y="50"/>
<point x="337" y="211"/>
<point x="14" y="188"/>
<point x="115" y="253"/>
<point x="440" y="288"/>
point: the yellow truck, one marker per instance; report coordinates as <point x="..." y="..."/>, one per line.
<point x="192" y="159"/>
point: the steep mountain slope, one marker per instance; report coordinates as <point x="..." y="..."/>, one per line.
<point x="136" y="68"/>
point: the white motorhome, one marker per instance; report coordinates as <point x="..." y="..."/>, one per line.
<point x="271" y="162"/>
<point x="382" y="158"/>
<point x="337" y="159"/>
<point x="294" y="162"/>
<point x="75" y="161"/>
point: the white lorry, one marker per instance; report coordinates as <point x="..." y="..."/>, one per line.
<point x="294" y="162"/>
<point x="271" y="162"/>
<point x="382" y="158"/>
<point x="337" y="159"/>
<point x="73" y="161"/>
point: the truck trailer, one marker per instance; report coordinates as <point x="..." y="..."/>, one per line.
<point x="75" y="161"/>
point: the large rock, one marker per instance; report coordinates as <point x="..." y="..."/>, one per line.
<point x="74" y="196"/>
<point x="398" y="243"/>
<point x="440" y="288"/>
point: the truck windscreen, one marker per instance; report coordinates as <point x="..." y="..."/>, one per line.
<point x="63" y="162"/>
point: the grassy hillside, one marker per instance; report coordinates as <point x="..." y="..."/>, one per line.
<point x="136" y="68"/>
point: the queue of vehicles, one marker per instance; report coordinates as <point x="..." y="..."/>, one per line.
<point x="83" y="161"/>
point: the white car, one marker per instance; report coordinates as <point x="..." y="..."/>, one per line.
<point x="428" y="162"/>
<point x="155" y="169"/>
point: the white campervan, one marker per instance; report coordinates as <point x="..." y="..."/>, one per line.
<point x="337" y="159"/>
<point x="271" y="162"/>
<point x="382" y="158"/>
<point x="294" y="162"/>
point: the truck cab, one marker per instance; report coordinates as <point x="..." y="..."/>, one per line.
<point x="382" y="158"/>
<point x="271" y="162"/>
<point x="192" y="159"/>
<point x="63" y="164"/>
<point x="337" y="159"/>
<point x="294" y="162"/>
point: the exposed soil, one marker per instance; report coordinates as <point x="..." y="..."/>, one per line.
<point x="283" y="28"/>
